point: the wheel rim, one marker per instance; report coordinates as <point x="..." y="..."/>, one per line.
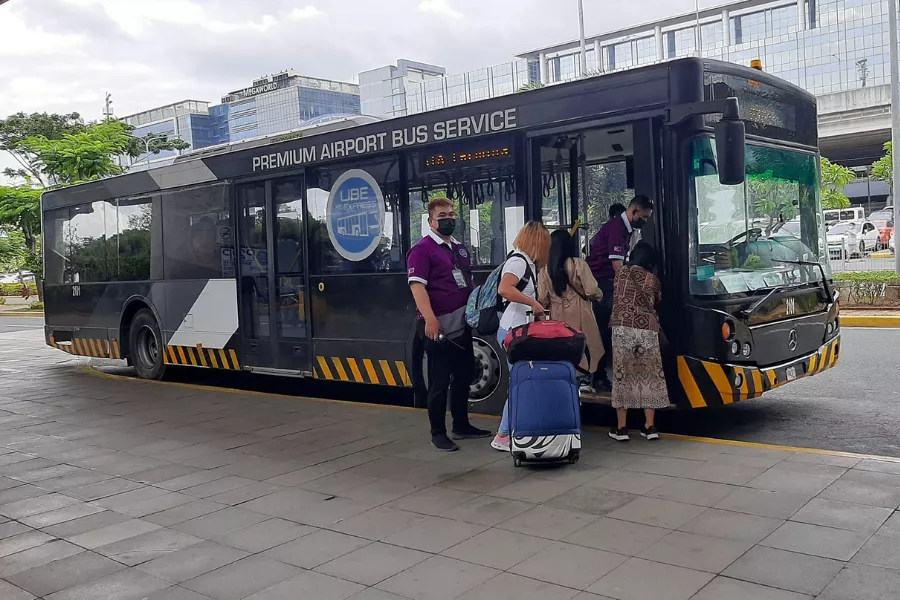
<point x="488" y="371"/>
<point x="147" y="346"/>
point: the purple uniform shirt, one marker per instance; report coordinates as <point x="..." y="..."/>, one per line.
<point x="610" y="243"/>
<point x="431" y="262"/>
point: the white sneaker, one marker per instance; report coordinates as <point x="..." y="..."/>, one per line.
<point x="500" y="442"/>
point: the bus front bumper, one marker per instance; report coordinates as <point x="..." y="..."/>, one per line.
<point x="711" y="384"/>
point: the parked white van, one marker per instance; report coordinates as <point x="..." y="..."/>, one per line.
<point x="856" y="213"/>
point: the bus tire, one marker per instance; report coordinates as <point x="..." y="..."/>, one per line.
<point x="147" y="346"/>
<point x="490" y="385"/>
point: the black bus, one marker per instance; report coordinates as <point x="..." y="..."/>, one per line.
<point x="287" y="257"/>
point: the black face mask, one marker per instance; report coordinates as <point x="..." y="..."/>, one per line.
<point x="639" y="224"/>
<point x="446" y="226"/>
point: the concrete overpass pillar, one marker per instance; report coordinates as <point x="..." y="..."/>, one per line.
<point x="657" y="34"/>
<point x="726" y="27"/>
<point x="598" y="53"/>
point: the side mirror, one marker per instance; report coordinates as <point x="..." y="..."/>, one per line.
<point x="730" y="150"/>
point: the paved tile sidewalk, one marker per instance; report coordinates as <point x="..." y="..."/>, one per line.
<point x="124" y="490"/>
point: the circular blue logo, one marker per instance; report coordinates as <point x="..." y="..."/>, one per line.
<point x="355" y="215"/>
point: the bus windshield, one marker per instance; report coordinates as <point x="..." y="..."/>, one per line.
<point x="755" y="236"/>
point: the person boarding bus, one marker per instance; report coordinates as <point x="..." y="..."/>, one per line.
<point x="609" y="249"/>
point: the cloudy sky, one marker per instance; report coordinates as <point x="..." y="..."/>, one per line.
<point x="62" y="55"/>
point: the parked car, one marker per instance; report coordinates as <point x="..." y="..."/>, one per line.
<point x="25" y="276"/>
<point x="849" y="238"/>
<point x="885" y="228"/>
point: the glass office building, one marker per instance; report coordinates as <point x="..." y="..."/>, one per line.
<point x="188" y="120"/>
<point x="284" y="101"/>
<point x="413" y="87"/>
<point x="384" y="91"/>
<point x="824" y="46"/>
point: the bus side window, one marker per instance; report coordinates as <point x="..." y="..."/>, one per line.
<point x="196" y="243"/>
<point x="348" y="244"/>
<point x="131" y="243"/>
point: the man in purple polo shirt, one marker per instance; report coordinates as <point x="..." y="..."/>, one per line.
<point x="609" y="249"/>
<point x="440" y="277"/>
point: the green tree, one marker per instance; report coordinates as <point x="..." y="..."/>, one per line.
<point x="772" y="199"/>
<point x="883" y="168"/>
<point x="534" y="85"/>
<point x="20" y="210"/>
<point x="834" y="179"/>
<point x="82" y="156"/>
<point x="17" y="128"/>
<point x="12" y="251"/>
<point x="87" y="153"/>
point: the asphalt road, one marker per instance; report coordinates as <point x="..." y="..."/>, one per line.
<point x="11" y="324"/>
<point x="854" y="407"/>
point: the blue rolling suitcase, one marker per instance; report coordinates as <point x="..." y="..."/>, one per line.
<point x="544" y="412"/>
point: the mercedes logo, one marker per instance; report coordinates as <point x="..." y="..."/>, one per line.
<point x="792" y="340"/>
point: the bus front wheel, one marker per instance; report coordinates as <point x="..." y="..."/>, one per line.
<point x="147" y="346"/>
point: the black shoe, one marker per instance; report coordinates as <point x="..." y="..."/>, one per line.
<point x="443" y="443"/>
<point x="650" y="433"/>
<point x="470" y="432"/>
<point x="603" y="385"/>
<point x="620" y="435"/>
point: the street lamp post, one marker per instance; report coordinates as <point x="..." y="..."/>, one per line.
<point x="895" y="113"/>
<point x="146" y="143"/>
<point x="698" y="38"/>
<point x="581" y="36"/>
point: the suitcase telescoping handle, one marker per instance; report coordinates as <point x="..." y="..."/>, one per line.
<point x="529" y="316"/>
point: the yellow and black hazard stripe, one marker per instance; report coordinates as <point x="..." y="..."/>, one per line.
<point x="198" y="356"/>
<point x="709" y="384"/>
<point x="84" y="346"/>
<point x="362" y="370"/>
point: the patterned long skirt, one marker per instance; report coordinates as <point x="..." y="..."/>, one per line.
<point x="638" y="377"/>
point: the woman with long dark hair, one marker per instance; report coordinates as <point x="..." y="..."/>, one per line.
<point x="638" y="377"/>
<point x="566" y="289"/>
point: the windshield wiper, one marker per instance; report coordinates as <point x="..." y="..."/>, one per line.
<point x="829" y="293"/>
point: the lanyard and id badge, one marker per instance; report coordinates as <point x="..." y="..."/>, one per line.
<point x="458" y="276"/>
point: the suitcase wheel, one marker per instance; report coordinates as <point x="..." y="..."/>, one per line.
<point x="573" y="459"/>
<point x="517" y="462"/>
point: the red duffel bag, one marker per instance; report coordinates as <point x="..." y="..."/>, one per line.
<point x="545" y="340"/>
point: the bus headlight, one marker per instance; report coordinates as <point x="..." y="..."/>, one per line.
<point x="747" y="349"/>
<point x="736" y="348"/>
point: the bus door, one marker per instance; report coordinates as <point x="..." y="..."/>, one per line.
<point x="272" y="275"/>
<point x="580" y="174"/>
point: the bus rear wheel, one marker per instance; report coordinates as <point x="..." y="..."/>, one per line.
<point x="147" y="346"/>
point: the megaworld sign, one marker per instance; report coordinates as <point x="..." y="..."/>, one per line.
<point x="253" y="91"/>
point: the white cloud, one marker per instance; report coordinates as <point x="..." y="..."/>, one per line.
<point x="440" y="7"/>
<point x="18" y="39"/>
<point x="267" y="22"/>
<point x="307" y="12"/>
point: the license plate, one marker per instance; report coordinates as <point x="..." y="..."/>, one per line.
<point x="791" y="373"/>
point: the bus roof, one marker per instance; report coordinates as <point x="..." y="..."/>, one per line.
<point x="645" y="90"/>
